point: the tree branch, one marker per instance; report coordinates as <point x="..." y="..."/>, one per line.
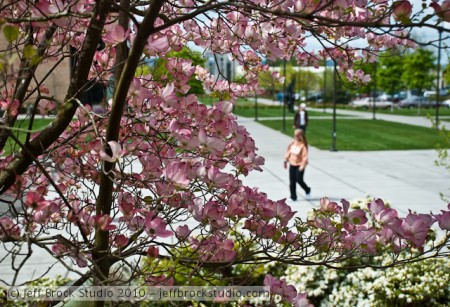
<point x="104" y="200"/>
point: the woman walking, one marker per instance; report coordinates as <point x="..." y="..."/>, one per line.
<point x="297" y="157"/>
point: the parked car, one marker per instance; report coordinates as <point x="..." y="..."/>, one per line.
<point x="414" y="102"/>
<point x="432" y="94"/>
<point x="367" y="102"/>
<point x="445" y="103"/>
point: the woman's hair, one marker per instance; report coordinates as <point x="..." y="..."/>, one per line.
<point x="302" y="136"/>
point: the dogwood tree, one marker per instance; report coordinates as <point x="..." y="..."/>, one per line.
<point x="158" y="174"/>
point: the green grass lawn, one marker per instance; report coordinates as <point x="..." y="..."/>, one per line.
<point x="364" y="135"/>
<point x="38" y="124"/>
<point x="406" y="111"/>
<point x="246" y="108"/>
<point x="270" y="111"/>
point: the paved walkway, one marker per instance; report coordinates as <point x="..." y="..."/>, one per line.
<point x="407" y="179"/>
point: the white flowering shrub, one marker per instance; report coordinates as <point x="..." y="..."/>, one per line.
<point x="424" y="283"/>
<point x="41" y="282"/>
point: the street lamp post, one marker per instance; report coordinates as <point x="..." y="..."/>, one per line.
<point x="374" y="91"/>
<point x="333" y="133"/>
<point x="324" y="84"/>
<point x="211" y="66"/>
<point x="438" y="88"/>
<point x="284" y="96"/>
<point x="256" y="106"/>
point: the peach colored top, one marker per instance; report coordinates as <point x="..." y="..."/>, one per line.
<point x="297" y="154"/>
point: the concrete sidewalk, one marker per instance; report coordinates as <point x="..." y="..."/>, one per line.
<point x="407" y="179"/>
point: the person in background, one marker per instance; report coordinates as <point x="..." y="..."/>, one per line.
<point x="280" y="97"/>
<point x="297" y="157"/>
<point x="301" y="118"/>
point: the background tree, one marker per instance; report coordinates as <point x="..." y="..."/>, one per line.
<point x="159" y="67"/>
<point x="308" y="82"/>
<point x="158" y="174"/>
<point x="446" y="75"/>
<point x="418" y="68"/>
<point x="390" y="71"/>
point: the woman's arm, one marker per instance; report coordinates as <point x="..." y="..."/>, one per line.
<point x="303" y="157"/>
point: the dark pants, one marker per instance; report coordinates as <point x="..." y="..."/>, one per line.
<point x="296" y="176"/>
<point x="303" y="127"/>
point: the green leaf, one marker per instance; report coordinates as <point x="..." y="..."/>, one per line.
<point x="29" y="52"/>
<point x="148" y="199"/>
<point x="11" y="33"/>
<point x="277" y="236"/>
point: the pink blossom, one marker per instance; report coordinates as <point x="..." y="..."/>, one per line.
<point x="216" y="248"/>
<point x="175" y="172"/>
<point x="168" y="95"/>
<point x="116" y="35"/>
<point x="218" y="178"/>
<point x="213" y="211"/>
<point x="45" y="106"/>
<point x="376" y="206"/>
<point x="224" y="251"/>
<point x="156" y="226"/>
<point x="159" y="280"/>
<point x="415" y="227"/>
<point x="182" y="232"/>
<point x="261" y="228"/>
<point x="328" y="206"/>
<point x="126" y="206"/>
<point x="402" y="10"/>
<point x="304" y="6"/>
<point x="104" y="222"/>
<point x="59" y="249"/>
<point x="12" y="107"/>
<point x="443" y="219"/>
<point x="153" y="251"/>
<point x="442" y="10"/>
<point x="357" y="217"/>
<point x="388" y="217"/>
<point x="116" y="152"/>
<point x="271" y="281"/>
<point x="136" y="223"/>
<point x="278" y="209"/>
<point x="301" y="300"/>
<point x="225" y="106"/>
<point x="8" y="228"/>
<point x="290" y="239"/>
<point x="210" y="143"/>
<point x="156" y="45"/>
<point x="280" y="287"/>
<point x="385" y="216"/>
<point x="44" y="211"/>
<point x="78" y="258"/>
<point x="33" y="200"/>
<point x="121" y="240"/>
<point x="364" y="240"/>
